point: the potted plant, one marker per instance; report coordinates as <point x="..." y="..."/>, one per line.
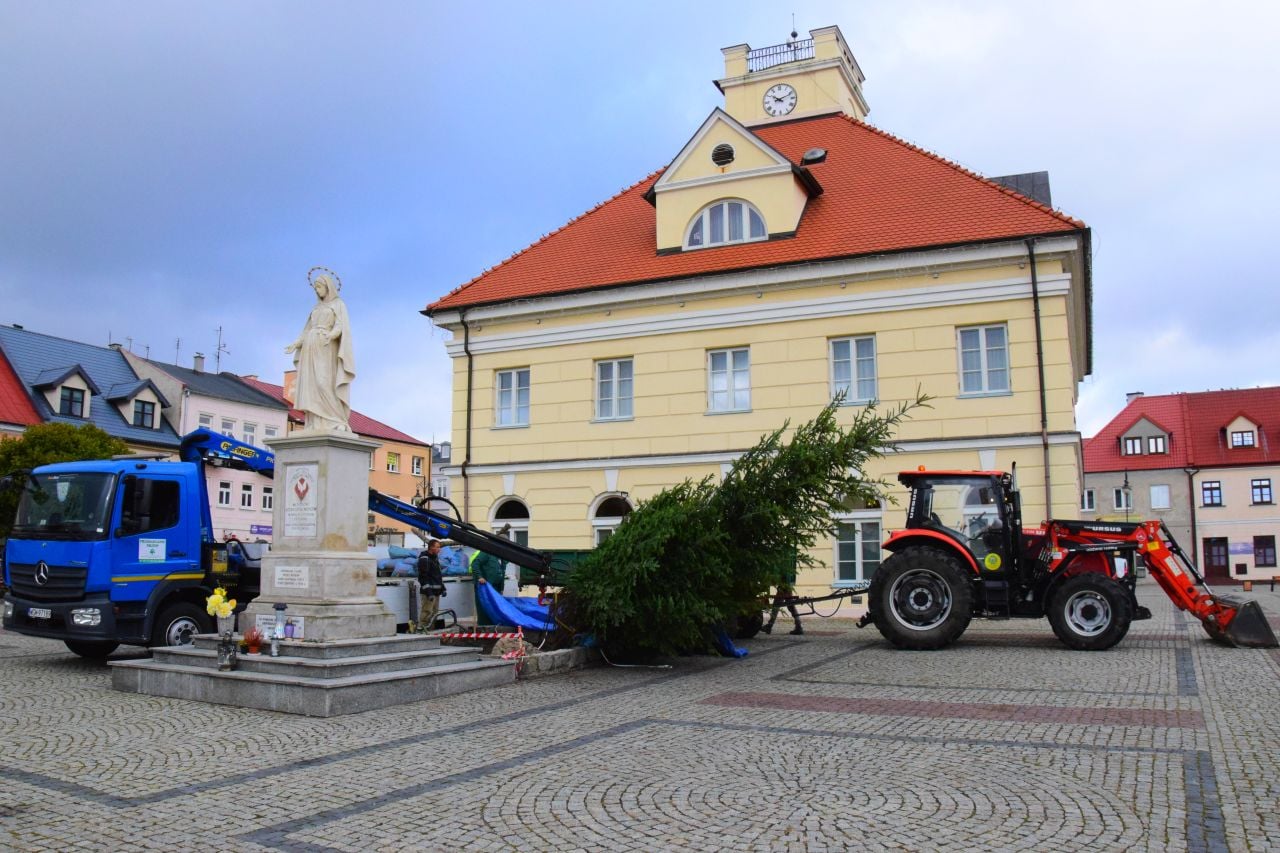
<point x="253" y="639"/>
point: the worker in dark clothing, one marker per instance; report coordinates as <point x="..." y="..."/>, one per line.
<point x="784" y="597"/>
<point x="431" y="584"/>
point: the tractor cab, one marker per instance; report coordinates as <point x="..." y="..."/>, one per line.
<point x="976" y="510"/>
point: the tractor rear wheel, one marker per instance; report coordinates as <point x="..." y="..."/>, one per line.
<point x="921" y="598"/>
<point x="1090" y="612"/>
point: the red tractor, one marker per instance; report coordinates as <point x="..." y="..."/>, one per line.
<point x="965" y="553"/>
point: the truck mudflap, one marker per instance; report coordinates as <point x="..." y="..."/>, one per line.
<point x="1247" y="626"/>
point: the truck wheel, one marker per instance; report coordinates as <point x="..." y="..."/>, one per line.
<point x="178" y="624"/>
<point x="1090" y="612"/>
<point x="92" y="649"/>
<point x="921" y="598"/>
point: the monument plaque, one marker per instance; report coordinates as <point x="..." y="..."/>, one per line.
<point x="300" y="500"/>
<point x="293" y="577"/>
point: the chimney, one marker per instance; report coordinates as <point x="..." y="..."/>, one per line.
<point x="115" y="347"/>
<point x="1131" y="396"/>
<point x="198" y="362"/>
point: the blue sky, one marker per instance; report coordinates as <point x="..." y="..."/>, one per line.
<point x="170" y="168"/>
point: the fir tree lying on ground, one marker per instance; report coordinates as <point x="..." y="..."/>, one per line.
<point x="699" y="555"/>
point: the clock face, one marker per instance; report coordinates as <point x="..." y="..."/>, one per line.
<point x="780" y="99"/>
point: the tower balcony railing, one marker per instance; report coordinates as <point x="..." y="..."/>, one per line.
<point x="779" y="54"/>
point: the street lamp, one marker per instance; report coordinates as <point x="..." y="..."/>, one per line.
<point x="1128" y="496"/>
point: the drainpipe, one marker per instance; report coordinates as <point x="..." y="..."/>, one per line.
<point x="1044" y="405"/>
<point x="1191" y="504"/>
<point x="466" y="456"/>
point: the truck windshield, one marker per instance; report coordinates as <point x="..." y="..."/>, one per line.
<point x="65" y="506"/>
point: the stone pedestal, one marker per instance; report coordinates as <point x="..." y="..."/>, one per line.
<point x="318" y="564"/>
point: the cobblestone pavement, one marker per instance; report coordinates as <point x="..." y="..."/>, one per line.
<point x="830" y="741"/>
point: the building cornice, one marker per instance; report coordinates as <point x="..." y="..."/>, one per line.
<point x="790" y="275"/>
<point x="667" y="460"/>
<point x="843" y="305"/>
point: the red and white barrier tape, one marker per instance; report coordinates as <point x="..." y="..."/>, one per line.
<point x="479" y="635"/>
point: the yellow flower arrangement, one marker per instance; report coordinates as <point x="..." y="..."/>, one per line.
<point x="219" y="605"/>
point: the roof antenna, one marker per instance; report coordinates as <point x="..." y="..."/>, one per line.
<point x="177" y="350"/>
<point x="217" y="353"/>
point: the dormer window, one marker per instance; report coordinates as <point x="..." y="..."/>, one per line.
<point x="1156" y="444"/>
<point x="71" y="402"/>
<point x="1132" y="446"/>
<point x="730" y="221"/>
<point x="1242" y="438"/>
<point x="144" y="414"/>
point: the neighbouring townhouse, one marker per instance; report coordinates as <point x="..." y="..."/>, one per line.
<point x="401" y="467"/>
<point x="1204" y="463"/>
<point x="240" y="502"/>
<point x="788" y="252"/>
<point x="77" y="383"/>
<point x="16" y="409"/>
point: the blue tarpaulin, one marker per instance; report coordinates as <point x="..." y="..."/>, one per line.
<point x="518" y="612"/>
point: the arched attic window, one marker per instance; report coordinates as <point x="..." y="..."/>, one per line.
<point x="511" y="519"/>
<point x="729" y="220"/>
<point x="609" y="513"/>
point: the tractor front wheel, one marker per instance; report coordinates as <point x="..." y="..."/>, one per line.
<point x="921" y="598"/>
<point x="1090" y="612"/>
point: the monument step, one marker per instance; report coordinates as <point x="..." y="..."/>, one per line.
<point x="298" y="691"/>
<point x="337" y="648"/>
<point x="422" y="658"/>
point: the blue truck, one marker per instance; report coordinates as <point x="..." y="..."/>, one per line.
<point x="121" y="551"/>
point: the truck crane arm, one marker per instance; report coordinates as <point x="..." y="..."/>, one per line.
<point x="203" y="446"/>
<point x="461" y="532"/>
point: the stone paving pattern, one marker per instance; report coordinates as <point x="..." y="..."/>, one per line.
<point x="830" y="741"/>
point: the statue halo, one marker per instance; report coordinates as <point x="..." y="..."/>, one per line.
<point x="311" y="276"/>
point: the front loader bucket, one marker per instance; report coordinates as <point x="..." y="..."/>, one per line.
<point x="1250" y="628"/>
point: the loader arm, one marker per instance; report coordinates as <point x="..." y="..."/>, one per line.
<point x="1225" y="619"/>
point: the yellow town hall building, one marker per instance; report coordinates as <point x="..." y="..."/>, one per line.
<point x="789" y="251"/>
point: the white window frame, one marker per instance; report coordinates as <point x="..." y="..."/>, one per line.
<point x="859" y="518"/>
<point x="205" y="420"/>
<point x="1163" y="502"/>
<point x="246" y="496"/>
<point x="268" y="498"/>
<point x="611" y="395"/>
<point x="440" y="487"/>
<point x="704" y="220"/>
<point x="1088" y="501"/>
<point x="985" y="369"/>
<point x="415" y="465"/>
<point x="603" y="526"/>
<point x="393" y="462"/>
<point x="250" y="433"/>
<point x="229" y="427"/>
<point x="224" y="493"/>
<point x="856" y="360"/>
<point x="731" y="373"/>
<point x="509" y="415"/>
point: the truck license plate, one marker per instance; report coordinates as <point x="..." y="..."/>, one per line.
<point x="39" y="613"/>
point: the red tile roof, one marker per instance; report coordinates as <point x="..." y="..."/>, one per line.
<point x="360" y="424"/>
<point x="15" y="405"/>
<point x="881" y="195"/>
<point x="1197" y="425"/>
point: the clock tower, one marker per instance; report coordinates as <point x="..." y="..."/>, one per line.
<point x="799" y="78"/>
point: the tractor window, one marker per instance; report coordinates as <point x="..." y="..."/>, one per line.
<point x="149" y="505"/>
<point x="968" y="507"/>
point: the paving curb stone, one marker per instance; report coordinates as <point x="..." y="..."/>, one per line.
<point x="830" y="741"/>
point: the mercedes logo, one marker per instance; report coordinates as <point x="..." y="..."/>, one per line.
<point x="41" y="574"/>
